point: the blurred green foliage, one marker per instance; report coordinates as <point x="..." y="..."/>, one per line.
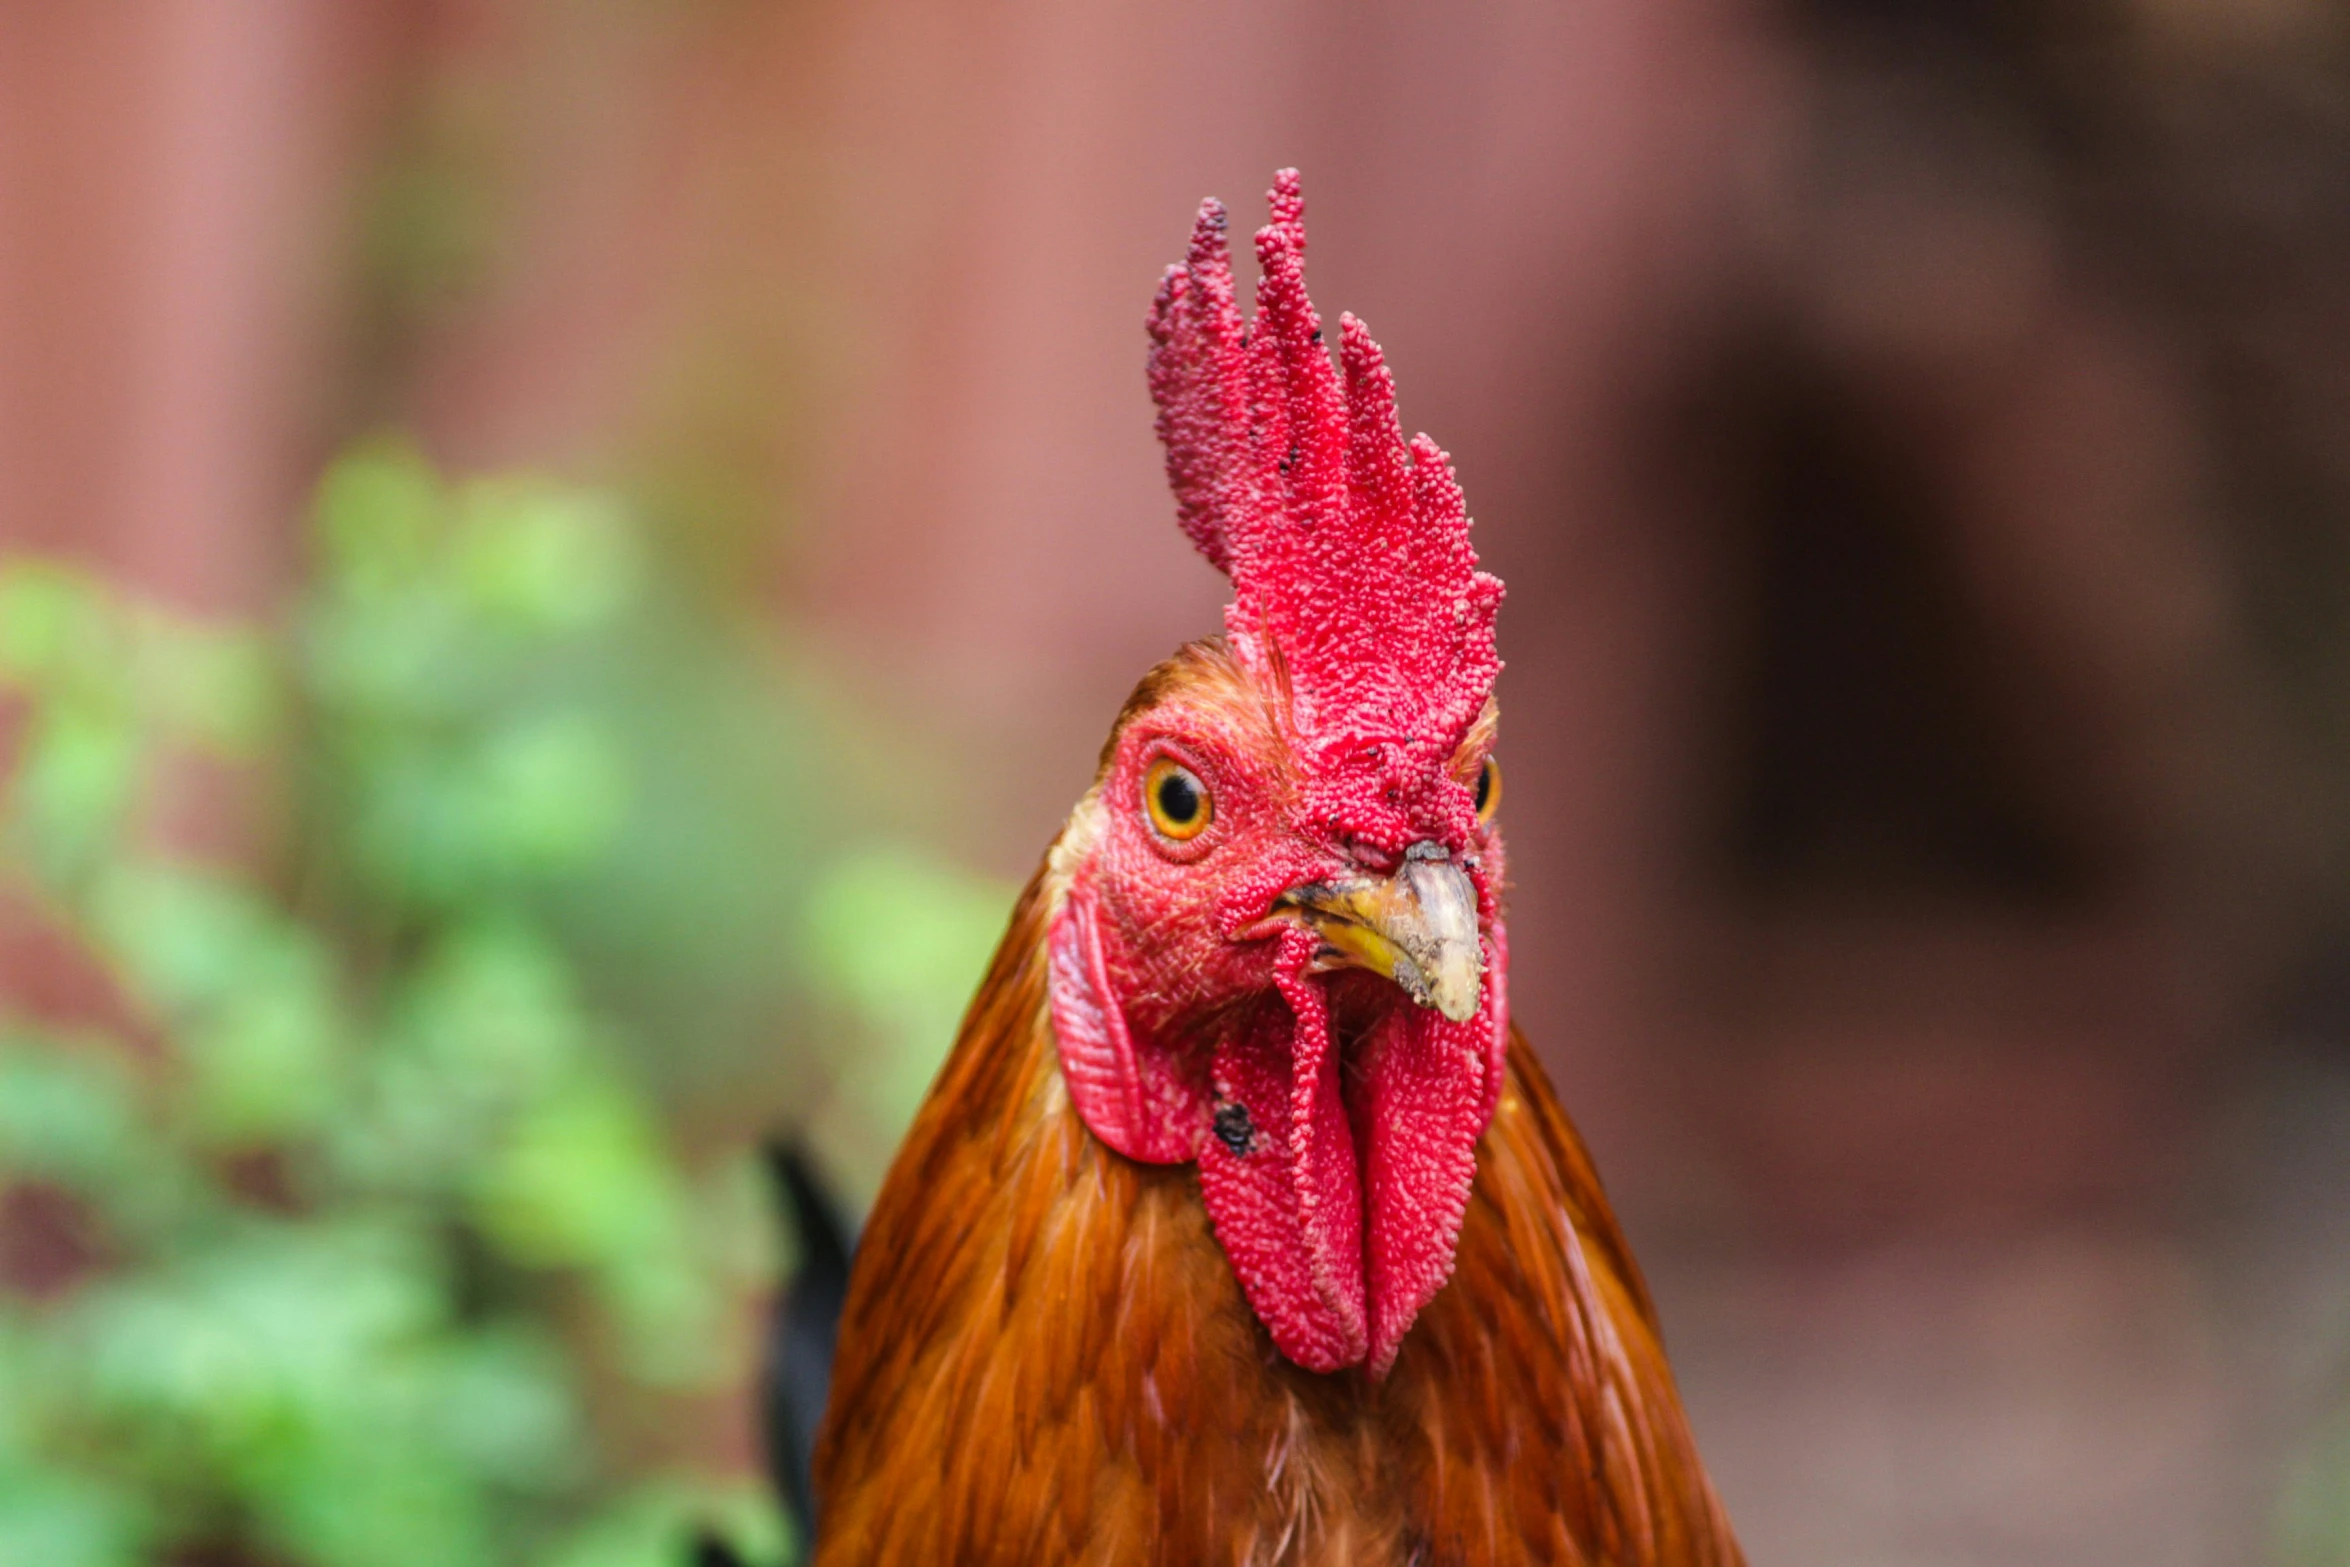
<point x="402" y="1212"/>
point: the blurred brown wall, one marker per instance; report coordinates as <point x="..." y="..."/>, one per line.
<point x="895" y="256"/>
<point x="171" y="196"/>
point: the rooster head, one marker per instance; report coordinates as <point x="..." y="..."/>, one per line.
<point x="1280" y="950"/>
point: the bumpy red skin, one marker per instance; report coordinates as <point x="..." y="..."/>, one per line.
<point x="1363" y="623"/>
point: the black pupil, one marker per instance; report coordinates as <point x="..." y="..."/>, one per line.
<point x="1179" y="798"/>
<point x="1484" y="787"/>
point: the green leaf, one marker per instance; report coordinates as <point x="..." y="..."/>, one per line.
<point x="67" y="1520"/>
<point x="502" y="1403"/>
<point x="580" y="1180"/>
<point x="902" y="940"/>
<point x="380" y="511"/>
<point x="55" y="622"/>
<point x="493" y="1010"/>
<point x="391" y="658"/>
<point x="264" y="1064"/>
<point x="188" y="939"/>
<point x="583" y="1182"/>
<point x="76" y="781"/>
<point x="210" y="686"/>
<point x="67" y="1112"/>
<point x="265" y="1332"/>
<point x="354" y="1499"/>
<point x="545" y="557"/>
<point x="657" y="1524"/>
<point x="554" y="790"/>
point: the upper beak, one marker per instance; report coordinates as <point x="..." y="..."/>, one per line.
<point x="1417" y="927"/>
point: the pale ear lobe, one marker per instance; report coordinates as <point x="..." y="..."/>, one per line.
<point x="1133" y="1100"/>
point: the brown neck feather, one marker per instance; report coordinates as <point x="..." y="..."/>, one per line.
<point x="1045" y="1357"/>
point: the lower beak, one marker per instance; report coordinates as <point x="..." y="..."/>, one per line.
<point x="1417" y="927"/>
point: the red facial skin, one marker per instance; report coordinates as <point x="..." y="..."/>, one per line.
<point x="1180" y="994"/>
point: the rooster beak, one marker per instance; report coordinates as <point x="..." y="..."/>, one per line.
<point x="1417" y="927"/>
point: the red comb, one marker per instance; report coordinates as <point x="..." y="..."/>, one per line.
<point x="1349" y="552"/>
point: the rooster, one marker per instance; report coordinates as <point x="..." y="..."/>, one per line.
<point x="1240" y="1227"/>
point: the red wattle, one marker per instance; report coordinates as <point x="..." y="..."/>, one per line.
<point x="1339" y="1199"/>
<point x="1279" y="1177"/>
<point x="1322" y="1153"/>
<point x="1419" y="1108"/>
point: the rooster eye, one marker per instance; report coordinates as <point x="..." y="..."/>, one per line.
<point x="1176" y="799"/>
<point x="1488" y="789"/>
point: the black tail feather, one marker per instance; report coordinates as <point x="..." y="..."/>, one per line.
<point x="711" y="1551"/>
<point x="803" y="1331"/>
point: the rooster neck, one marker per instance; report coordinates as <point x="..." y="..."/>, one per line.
<point x="1046" y="1358"/>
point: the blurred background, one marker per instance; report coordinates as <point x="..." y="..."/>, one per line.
<point x="560" y="559"/>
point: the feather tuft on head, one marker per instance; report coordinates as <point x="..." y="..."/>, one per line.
<point x="1354" y="582"/>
